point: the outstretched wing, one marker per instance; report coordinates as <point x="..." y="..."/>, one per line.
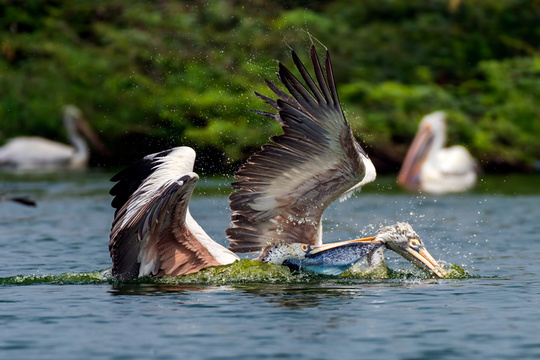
<point x="153" y="232"/>
<point x="156" y="240"/>
<point x="285" y="187"/>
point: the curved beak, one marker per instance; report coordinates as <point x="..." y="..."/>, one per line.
<point x="423" y="259"/>
<point x="419" y="257"/>
<point x="90" y="134"/>
<point x="409" y="174"/>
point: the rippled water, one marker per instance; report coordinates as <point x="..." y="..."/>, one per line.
<point x="493" y="233"/>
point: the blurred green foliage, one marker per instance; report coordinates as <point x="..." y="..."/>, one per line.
<point x="152" y="75"/>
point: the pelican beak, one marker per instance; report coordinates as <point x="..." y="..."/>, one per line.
<point x="325" y="247"/>
<point x="90" y="134"/>
<point x="410" y="171"/>
<point x="423" y="259"/>
<point x="332" y="259"/>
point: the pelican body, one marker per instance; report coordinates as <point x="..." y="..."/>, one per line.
<point x="36" y="153"/>
<point x="332" y="259"/>
<point x="281" y="193"/>
<point x="431" y="168"/>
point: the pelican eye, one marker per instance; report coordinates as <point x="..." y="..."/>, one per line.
<point x="414" y="243"/>
<point x="304" y="247"/>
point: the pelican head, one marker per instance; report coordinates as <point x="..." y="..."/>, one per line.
<point x="430" y="137"/>
<point x="436" y="120"/>
<point x="402" y="239"/>
<point x="76" y="124"/>
<point x="334" y="258"/>
<point x="71" y="114"/>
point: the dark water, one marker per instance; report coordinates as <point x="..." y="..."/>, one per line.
<point x="61" y="306"/>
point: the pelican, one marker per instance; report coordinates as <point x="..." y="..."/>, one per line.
<point x="281" y="193"/>
<point x="36" y="153"/>
<point x="433" y="169"/>
<point x="335" y="258"/>
<point x="23" y="200"/>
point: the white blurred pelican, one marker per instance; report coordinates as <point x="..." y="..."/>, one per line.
<point x="433" y="169"/>
<point x="37" y="153"/>
<point x="282" y="192"/>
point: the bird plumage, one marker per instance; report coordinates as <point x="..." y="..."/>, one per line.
<point x="283" y="189"/>
<point x="153" y="232"/>
<point x="280" y="195"/>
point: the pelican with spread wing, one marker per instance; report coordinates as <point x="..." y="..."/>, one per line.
<point x="280" y="196"/>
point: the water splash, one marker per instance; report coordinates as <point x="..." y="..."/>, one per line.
<point x="240" y="272"/>
<point x="362" y="271"/>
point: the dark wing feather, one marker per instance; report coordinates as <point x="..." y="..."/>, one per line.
<point x="130" y="179"/>
<point x="283" y="189"/>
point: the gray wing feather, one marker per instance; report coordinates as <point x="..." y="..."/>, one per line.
<point x="283" y="189"/>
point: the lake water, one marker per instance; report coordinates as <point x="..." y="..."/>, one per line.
<point x="56" y="304"/>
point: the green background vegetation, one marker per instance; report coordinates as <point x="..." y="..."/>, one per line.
<point x="150" y="75"/>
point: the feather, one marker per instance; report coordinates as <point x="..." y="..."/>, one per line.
<point x="282" y="190"/>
